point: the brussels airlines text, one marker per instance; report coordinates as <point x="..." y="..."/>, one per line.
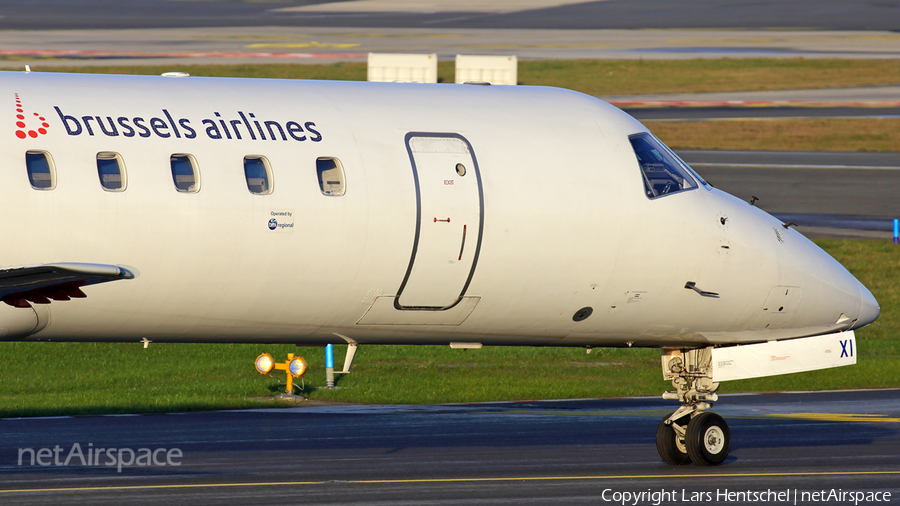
<point x="242" y="126"/>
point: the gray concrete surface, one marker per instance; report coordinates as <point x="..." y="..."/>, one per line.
<point x="550" y="452"/>
<point x="240" y="31"/>
<point x="733" y="112"/>
<point x="494" y="14"/>
<point x="887" y="96"/>
<point x="316" y="44"/>
<point x="829" y="194"/>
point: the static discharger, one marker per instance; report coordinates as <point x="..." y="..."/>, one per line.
<point x="295" y="367"/>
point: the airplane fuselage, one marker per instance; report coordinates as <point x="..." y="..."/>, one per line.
<point x="545" y="236"/>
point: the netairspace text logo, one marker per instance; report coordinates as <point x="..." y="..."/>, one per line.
<point x="90" y="456"/>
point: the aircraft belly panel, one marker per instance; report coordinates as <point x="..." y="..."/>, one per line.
<point x="383" y="312"/>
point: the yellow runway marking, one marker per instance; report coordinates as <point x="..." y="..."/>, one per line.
<point x="243" y="37"/>
<point x="840" y="417"/>
<point x="301" y="45"/>
<point x="633" y="412"/>
<point x="400" y="35"/>
<point x="452" y="480"/>
<point x="536" y="46"/>
<point x="825" y="417"/>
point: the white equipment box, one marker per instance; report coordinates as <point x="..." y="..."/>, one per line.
<point x="486" y="69"/>
<point x="402" y="68"/>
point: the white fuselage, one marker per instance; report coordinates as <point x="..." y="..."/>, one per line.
<point x="552" y="206"/>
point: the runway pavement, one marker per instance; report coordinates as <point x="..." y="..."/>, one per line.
<point x="548" y="452"/>
<point x="528" y="14"/>
<point x="137" y="32"/>
<point x="717" y="112"/>
<point x="829" y="194"/>
<point x="844" y="97"/>
<point x="115" y="45"/>
<point x="267" y="44"/>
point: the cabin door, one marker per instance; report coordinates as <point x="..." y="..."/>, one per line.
<point x="450" y="206"/>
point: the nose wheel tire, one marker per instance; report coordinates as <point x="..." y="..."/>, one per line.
<point x="670" y="445"/>
<point x="708" y="439"/>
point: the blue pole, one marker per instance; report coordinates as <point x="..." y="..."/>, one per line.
<point x="329" y="355"/>
<point x="329" y="366"/>
<point x="896" y="230"/>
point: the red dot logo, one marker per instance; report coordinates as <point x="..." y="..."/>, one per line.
<point x="32" y="127"/>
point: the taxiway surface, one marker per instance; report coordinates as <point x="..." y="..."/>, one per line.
<point x="322" y="44"/>
<point x="169" y="32"/>
<point x="547" y="452"/>
<point x="828" y="194"/>
<point x="529" y="14"/>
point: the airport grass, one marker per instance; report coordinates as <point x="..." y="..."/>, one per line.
<point x="594" y="77"/>
<point x="638" y="77"/>
<point x="808" y="134"/>
<point x="43" y="379"/>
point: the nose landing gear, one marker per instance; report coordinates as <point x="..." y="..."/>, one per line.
<point x="691" y="434"/>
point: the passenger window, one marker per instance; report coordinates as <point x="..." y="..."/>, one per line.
<point x="185" y="173"/>
<point x="662" y="172"/>
<point x="258" y="174"/>
<point x="331" y="176"/>
<point x="41" y="172"/>
<point x="111" y="169"/>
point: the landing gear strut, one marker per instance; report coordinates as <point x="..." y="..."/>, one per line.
<point x="691" y="434"/>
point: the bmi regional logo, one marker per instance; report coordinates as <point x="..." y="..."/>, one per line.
<point x="26" y="127"/>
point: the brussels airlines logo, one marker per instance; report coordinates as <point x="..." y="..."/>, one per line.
<point x="240" y="126"/>
<point x="33" y="127"/>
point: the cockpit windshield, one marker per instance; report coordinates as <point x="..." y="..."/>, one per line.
<point x="662" y="171"/>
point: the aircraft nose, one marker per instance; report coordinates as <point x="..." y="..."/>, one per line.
<point x="831" y="296"/>
<point x="868" y="309"/>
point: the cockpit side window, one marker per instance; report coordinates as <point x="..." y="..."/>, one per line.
<point x="662" y="172"/>
<point x="697" y="177"/>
